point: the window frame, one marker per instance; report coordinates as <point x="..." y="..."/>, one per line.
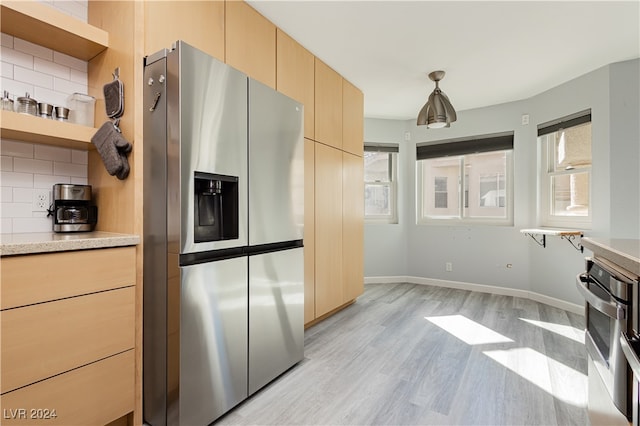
<point x="546" y="172"/>
<point x="393" y="151"/>
<point x="468" y="146"/>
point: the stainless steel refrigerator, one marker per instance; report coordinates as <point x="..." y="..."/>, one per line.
<point x="223" y="225"/>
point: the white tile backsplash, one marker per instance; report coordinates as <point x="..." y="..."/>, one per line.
<point x="69" y="169"/>
<point x="16" y="149"/>
<point x="6" y="195"/>
<point x="15" y="57"/>
<point x="31" y="224"/>
<point x="28" y="165"/>
<point x="32" y="49"/>
<point x="49" y="76"/>
<point x="6" y="40"/>
<point x="6" y="163"/>
<point x="70" y="61"/>
<point x="53" y="153"/>
<point x="47" y="181"/>
<point x="34" y="78"/>
<point x="51" y="68"/>
<point x="6" y="70"/>
<point x="16" y="180"/>
<point x="79" y="157"/>
<point x="22" y="195"/>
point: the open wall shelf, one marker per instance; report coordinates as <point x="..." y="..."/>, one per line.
<point x="27" y="128"/>
<point x="48" y="27"/>
<point x="540" y="236"/>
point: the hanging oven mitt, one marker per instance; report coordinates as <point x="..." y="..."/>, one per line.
<point x="113" y="149"/>
<point x="114" y="96"/>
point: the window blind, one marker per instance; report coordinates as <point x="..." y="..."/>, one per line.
<point x="380" y="147"/>
<point x="564" y="123"/>
<point x="463" y="146"/>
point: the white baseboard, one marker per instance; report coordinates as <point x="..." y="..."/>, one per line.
<point x="504" y="291"/>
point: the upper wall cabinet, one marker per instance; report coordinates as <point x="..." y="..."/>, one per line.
<point x="294" y="72"/>
<point x="352" y="119"/>
<point x="198" y="23"/>
<point x="328" y="87"/>
<point x="250" y="42"/>
<point x="48" y="27"/>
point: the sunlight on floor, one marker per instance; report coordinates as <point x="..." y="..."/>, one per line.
<point x="467" y="330"/>
<point x="535" y="367"/>
<point x="563" y="330"/>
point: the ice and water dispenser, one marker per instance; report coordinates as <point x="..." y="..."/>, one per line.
<point x="216" y="207"/>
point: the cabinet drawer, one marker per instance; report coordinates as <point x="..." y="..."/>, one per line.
<point x="95" y="394"/>
<point x="42" y="277"/>
<point x="39" y="341"/>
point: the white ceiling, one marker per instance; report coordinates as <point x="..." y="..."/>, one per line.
<point x="492" y="52"/>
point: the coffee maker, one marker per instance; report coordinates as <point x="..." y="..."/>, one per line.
<point x="73" y="210"/>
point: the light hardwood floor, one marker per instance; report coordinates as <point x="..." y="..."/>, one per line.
<point x="415" y="354"/>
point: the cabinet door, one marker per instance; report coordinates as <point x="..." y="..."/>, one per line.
<point x="42" y="340"/>
<point x="198" y="23"/>
<point x="250" y="42"/>
<point x="328" y="229"/>
<point x="94" y="394"/>
<point x="295" y="73"/>
<point x="328" y="105"/>
<point x="309" y="232"/>
<point x="353" y="225"/>
<point x="352" y="119"/>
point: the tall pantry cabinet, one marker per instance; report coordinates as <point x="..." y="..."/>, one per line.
<point x="234" y="32"/>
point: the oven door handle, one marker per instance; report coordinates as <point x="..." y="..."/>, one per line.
<point x="630" y="353"/>
<point x="612" y="310"/>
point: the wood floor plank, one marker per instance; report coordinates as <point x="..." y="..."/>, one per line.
<point x="380" y="362"/>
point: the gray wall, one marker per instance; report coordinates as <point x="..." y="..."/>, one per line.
<point x="480" y="254"/>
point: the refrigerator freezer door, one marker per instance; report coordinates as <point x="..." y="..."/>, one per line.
<point x="276" y="166"/>
<point x="213" y="339"/>
<point x="207" y="128"/>
<point x="276" y="314"/>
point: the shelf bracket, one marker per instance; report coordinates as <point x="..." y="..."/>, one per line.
<point x="541" y="242"/>
<point x="571" y="238"/>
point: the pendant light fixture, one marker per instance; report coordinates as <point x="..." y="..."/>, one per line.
<point x="438" y="111"/>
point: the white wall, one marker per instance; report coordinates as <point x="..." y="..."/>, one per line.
<point x="480" y="254"/>
<point x="385" y="245"/>
<point x="48" y="76"/>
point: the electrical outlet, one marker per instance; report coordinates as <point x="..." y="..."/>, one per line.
<point x="40" y="200"/>
<point x="525" y="119"/>
<point x="448" y="266"/>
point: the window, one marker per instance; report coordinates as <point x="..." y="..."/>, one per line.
<point x="565" y="175"/>
<point x="380" y="176"/>
<point x="466" y="180"/>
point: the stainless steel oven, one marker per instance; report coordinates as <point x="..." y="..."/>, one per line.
<point x="609" y="311"/>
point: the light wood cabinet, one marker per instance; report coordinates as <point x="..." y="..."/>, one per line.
<point x="250" y="42"/>
<point x="92" y="395"/>
<point x="328" y="105"/>
<point x="309" y="232"/>
<point x="352" y="226"/>
<point x="198" y="23"/>
<point x="67" y="336"/>
<point x="352" y="119"/>
<point x="295" y="71"/>
<point x="328" y="229"/>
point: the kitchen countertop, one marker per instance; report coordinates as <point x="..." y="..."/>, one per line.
<point x="625" y="253"/>
<point x="46" y="242"/>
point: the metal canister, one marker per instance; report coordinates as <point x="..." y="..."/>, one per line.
<point x="62" y="113"/>
<point x="45" y="110"/>
<point x="27" y="105"/>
